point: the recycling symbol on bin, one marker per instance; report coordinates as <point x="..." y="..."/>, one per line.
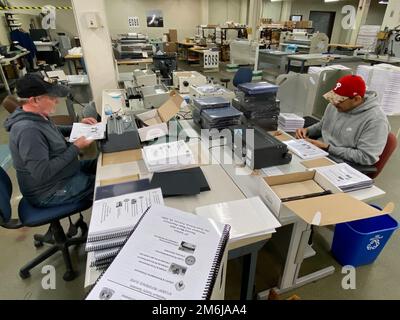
<point x="374" y="242"/>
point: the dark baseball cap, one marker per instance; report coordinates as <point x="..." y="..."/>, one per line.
<point x="33" y="85"/>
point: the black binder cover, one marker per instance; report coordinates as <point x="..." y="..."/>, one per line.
<point x="180" y="182"/>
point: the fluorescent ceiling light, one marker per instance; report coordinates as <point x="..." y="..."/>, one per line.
<point x="275" y="0"/>
<point x="331" y="0"/>
<point x="383" y="2"/>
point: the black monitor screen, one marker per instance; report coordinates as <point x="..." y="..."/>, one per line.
<point x="37" y="34"/>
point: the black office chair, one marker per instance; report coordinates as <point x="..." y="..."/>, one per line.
<point x="31" y="216"/>
<point x="243" y="75"/>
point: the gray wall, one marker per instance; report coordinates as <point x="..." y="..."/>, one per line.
<point x="339" y="35"/>
<point x="183" y="15"/>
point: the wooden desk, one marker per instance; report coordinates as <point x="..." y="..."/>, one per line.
<point x="10" y="61"/>
<point x="130" y="62"/>
<point x="373" y="59"/>
<point x="345" y="46"/>
<point x="71" y="59"/>
<point x="182" y="48"/>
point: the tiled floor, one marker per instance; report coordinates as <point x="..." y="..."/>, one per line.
<point x="376" y="281"/>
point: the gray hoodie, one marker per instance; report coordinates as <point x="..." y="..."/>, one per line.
<point x="44" y="161"/>
<point x="359" y="135"/>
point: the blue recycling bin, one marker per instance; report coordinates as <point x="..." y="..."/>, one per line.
<point x="360" y="242"/>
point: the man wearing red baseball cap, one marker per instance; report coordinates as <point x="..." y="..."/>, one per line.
<point x="354" y="127"/>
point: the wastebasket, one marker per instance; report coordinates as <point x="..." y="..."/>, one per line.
<point x="360" y="242"/>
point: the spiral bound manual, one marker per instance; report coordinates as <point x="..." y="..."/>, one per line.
<point x="216" y="263"/>
<point x="113" y="218"/>
<point x="169" y="254"/>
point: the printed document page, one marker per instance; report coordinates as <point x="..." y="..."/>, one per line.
<point x="121" y="213"/>
<point x="305" y="149"/>
<point x="170" y="255"/>
<point x="345" y="177"/>
<point x="90" y="131"/>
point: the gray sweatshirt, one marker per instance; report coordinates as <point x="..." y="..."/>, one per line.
<point x="44" y="161"/>
<point x="358" y="136"/>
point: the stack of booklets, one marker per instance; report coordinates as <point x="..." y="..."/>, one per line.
<point x="247" y="218"/>
<point x="116" y="210"/>
<point x="305" y="150"/>
<point x="169" y="254"/>
<point x="167" y="156"/>
<point x="345" y="177"/>
<point x="290" y="122"/>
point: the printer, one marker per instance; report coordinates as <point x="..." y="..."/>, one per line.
<point x="215" y="113"/>
<point x="122" y="134"/>
<point x="211" y="90"/>
<point x="182" y="80"/>
<point x="154" y="96"/>
<point x="304" y="42"/>
<point x="258" y="103"/>
<point x="144" y="78"/>
<point x="258" y="147"/>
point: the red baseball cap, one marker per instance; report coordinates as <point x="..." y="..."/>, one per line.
<point x="346" y="87"/>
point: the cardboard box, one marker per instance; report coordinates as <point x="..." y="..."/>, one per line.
<point x="170" y="47"/>
<point x="322" y="210"/>
<point x="156" y="119"/>
<point x="173" y="35"/>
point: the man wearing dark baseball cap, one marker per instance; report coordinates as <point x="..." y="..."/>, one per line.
<point x="354" y="127"/>
<point x="48" y="170"/>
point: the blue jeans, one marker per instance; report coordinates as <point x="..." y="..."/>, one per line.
<point x="79" y="187"/>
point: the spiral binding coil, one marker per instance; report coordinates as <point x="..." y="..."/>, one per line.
<point x="103" y="246"/>
<point x="108" y="236"/>
<point x="127" y="238"/>
<point x="111" y="253"/>
<point x="212" y="276"/>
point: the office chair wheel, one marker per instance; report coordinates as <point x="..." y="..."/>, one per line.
<point x="24" y="274"/>
<point x="69" y="275"/>
<point x="37" y="243"/>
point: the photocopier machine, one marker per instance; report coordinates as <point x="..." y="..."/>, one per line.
<point x="144" y="87"/>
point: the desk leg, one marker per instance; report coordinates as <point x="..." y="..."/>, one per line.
<point x="295" y="257"/>
<point x="249" y="254"/>
<point x="4" y="79"/>
<point x="302" y="66"/>
<point x="288" y="65"/>
<point x="69" y="67"/>
<point x="248" y="275"/>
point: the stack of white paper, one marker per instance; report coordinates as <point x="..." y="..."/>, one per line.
<point x="317" y="70"/>
<point x="247" y="218"/>
<point x="345" y="177"/>
<point x="384" y="79"/>
<point x="305" y="150"/>
<point x="290" y="122"/>
<point x="365" y="72"/>
<point x="89" y="131"/>
<point x="167" y="156"/>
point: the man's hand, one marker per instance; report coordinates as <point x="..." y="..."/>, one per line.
<point x="89" y="120"/>
<point x="301" y="133"/>
<point x="320" y="144"/>
<point x="83" y="143"/>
